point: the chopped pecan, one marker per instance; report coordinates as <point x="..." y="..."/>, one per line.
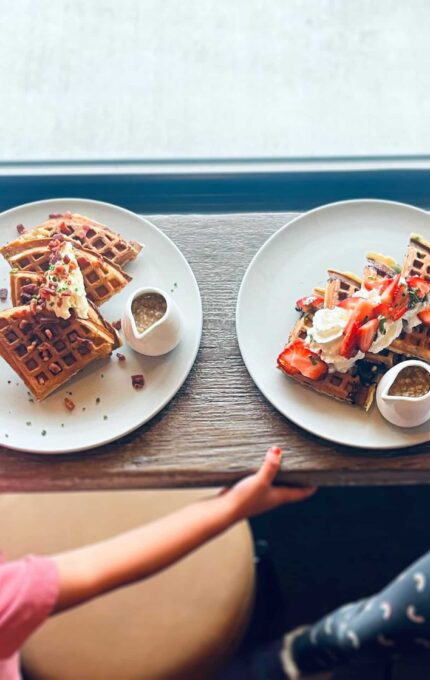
<point x="3" y="294"/>
<point x="20" y="229"/>
<point x="120" y="356"/>
<point x="117" y="324"/>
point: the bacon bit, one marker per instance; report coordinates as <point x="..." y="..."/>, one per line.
<point x="137" y="381"/>
<point x="64" y="228"/>
<point x="59" y="269"/>
<point x="82" y="261"/>
<point x="3" y="294"/>
<point x="117" y="324"/>
<point x="45" y="293"/>
<point x="48" y="333"/>
<point x="82" y="233"/>
<point x="58" y="237"/>
<point x="20" y="229"/>
<point x="54" y="368"/>
<point x="72" y="265"/>
<point x="55" y="216"/>
<point x="66" y="259"/>
<point x="69" y="404"/>
<point x="121" y="357"/>
<point x="29" y="288"/>
<point x="84" y="342"/>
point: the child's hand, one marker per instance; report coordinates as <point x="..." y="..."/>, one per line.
<point x="255" y="494"/>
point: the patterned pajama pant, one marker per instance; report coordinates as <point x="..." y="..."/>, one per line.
<point x="395" y="621"/>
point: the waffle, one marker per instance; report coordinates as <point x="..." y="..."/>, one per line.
<point x="97" y="237"/>
<point x="347" y="387"/>
<point x="18" y="281"/>
<point x="415" y="343"/>
<point x="102" y="279"/>
<point x="46" y="351"/>
<point x="378" y="265"/>
<point x="340" y="285"/>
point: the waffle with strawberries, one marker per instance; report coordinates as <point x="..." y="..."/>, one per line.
<point x="354" y="388"/>
<point x="416" y="342"/>
<point x="348" y="337"/>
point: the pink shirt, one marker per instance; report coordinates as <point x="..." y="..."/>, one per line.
<point x="28" y="593"/>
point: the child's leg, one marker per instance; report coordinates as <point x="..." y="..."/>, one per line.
<point x="395" y="621"/>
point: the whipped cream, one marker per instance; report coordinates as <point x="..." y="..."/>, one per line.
<point x="325" y="338"/>
<point x="383" y="340"/>
<point x="65" y="279"/>
<point x="328" y="324"/>
<point x="371" y="295"/>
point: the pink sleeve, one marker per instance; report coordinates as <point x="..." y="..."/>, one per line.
<point x="28" y="593"/>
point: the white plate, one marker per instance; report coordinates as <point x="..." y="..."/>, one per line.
<point x="107" y="406"/>
<point x="288" y="266"/>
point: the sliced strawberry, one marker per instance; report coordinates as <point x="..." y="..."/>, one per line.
<point x="366" y="334"/>
<point x="349" y="345"/>
<point x="394" y="300"/>
<point x="420" y="286"/>
<point x="361" y="311"/>
<point x="311" y="302"/>
<point x="424" y="316"/>
<point x="349" y="303"/>
<point x="298" y="358"/>
<point x="372" y="281"/>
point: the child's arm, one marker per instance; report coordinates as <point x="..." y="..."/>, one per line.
<point x="139" y="553"/>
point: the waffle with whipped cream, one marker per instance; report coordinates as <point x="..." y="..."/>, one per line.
<point x="353" y="387"/>
<point x="84" y="232"/>
<point x="102" y="279"/>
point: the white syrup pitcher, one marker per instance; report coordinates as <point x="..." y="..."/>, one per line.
<point x="162" y="335"/>
<point x="403" y="394"/>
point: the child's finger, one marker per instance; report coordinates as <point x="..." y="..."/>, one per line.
<point x="292" y="494"/>
<point x="271" y="464"/>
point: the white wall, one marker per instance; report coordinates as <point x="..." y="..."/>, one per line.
<point x="213" y="78"/>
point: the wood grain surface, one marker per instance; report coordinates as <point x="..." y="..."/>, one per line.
<point x="218" y="426"/>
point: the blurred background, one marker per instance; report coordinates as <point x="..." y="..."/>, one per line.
<point x="211" y="79"/>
